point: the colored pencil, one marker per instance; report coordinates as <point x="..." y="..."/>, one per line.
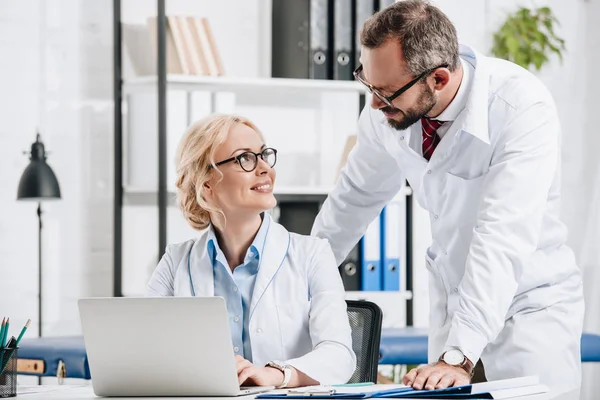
<point x="22" y="332"/>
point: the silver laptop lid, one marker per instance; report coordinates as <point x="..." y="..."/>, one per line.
<point x="163" y="346"/>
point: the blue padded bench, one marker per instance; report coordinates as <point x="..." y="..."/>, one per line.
<point x="409" y="346"/>
<point x="47" y="356"/>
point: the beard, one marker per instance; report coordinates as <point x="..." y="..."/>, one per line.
<point x="425" y="103"/>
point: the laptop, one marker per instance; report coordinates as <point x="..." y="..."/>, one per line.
<point x="160" y="346"/>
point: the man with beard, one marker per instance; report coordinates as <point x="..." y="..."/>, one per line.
<point x="478" y="139"/>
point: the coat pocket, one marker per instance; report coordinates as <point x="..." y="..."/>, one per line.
<point x="462" y="200"/>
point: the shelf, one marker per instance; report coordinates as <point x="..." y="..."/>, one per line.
<point x="237" y="85"/>
<point x="148" y="197"/>
<point x="392" y="295"/>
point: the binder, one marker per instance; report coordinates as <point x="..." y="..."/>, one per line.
<point x="364" y="9"/>
<point x="342" y="40"/>
<point x="302" y="34"/>
<point x="371" y="257"/>
<point x="350" y="269"/>
<point x="393" y="243"/>
<point x="320" y="38"/>
<point x="290" y="39"/>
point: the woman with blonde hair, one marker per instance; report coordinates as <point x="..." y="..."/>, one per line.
<point x="283" y="292"/>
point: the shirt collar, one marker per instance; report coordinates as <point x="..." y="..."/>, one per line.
<point x="255" y="251"/>
<point x="457" y="105"/>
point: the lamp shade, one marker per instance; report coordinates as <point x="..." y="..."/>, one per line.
<point x="38" y="180"/>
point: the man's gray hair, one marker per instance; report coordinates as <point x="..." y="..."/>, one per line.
<point x="427" y="36"/>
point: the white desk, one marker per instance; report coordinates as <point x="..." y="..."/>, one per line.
<point x="86" y="393"/>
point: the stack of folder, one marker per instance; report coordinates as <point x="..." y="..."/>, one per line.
<point x="319" y="39"/>
<point x="383" y="247"/>
<point x="502" y="389"/>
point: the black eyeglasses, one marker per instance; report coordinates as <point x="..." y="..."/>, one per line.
<point x="388" y="99"/>
<point x="249" y="160"/>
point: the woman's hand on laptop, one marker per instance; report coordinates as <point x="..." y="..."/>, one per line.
<point x="251" y="375"/>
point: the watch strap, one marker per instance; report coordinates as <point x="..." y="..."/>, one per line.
<point x="287" y="373"/>
<point x="465" y="364"/>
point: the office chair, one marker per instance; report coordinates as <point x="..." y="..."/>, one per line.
<point x="365" y="321"/>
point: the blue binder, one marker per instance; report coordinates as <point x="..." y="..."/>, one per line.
<point x="371" y="263"/>
<point x="392" y="223"/>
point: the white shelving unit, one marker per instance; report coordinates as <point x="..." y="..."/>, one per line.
<point x="140" y="196"/>
<point x="308" y="121"/>
<point x="240" y="85"/>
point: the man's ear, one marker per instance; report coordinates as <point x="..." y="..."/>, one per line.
<point x="441" y="77"/>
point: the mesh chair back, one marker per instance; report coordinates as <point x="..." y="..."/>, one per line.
<point x="365" y="320"/>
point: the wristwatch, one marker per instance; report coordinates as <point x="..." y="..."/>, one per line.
<point x="457" y="358"/>
<point x="285" y="368"/>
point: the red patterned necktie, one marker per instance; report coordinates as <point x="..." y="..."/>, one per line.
<point x="431" y="139"/>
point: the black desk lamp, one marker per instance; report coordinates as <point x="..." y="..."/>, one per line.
<point x="37" y="183"/>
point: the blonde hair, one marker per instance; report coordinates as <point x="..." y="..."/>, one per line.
<point x="195" y="157"/>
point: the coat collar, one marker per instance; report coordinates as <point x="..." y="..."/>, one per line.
<point x="276" y="246"/>
<point x="475" y="114"/>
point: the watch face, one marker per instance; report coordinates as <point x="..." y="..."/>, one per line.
<point x="454" y="357"/>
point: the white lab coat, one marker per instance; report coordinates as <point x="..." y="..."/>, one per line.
<point x="500" y="274"/>
<point x="298" y="308"/>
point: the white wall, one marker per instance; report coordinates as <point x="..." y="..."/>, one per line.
<point x="56" y="75"/>
<point x="590" y="255"/>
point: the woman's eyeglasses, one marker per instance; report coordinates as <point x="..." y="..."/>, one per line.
<point x="249" y="159"/>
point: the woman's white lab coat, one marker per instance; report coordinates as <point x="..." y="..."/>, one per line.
<point x="298" y="309"/>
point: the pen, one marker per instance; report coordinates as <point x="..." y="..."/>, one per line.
<point x="22" y="332"/>
<point x="2" y="332"/>
<point x="5" y="332"/>
<point x="1" y="339"/>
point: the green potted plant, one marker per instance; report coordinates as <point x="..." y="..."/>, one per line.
<point x="527" y="38"/>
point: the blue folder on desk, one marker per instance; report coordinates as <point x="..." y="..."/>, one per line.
<point x="507" y="388"/>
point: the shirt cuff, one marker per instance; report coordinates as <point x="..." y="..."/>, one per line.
<point x="470" y="342"/>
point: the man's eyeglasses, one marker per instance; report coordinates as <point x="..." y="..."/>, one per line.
<point x="388" y="99"/>
<point x="249" y="160"/>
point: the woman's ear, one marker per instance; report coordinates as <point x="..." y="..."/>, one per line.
<point x="207" y="188"/>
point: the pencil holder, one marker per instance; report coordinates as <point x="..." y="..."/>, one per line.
<point x="8" y="373"/>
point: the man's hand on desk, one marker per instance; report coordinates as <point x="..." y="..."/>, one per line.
<point x="436" y="376"/>
<point x="251" y="375"/>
